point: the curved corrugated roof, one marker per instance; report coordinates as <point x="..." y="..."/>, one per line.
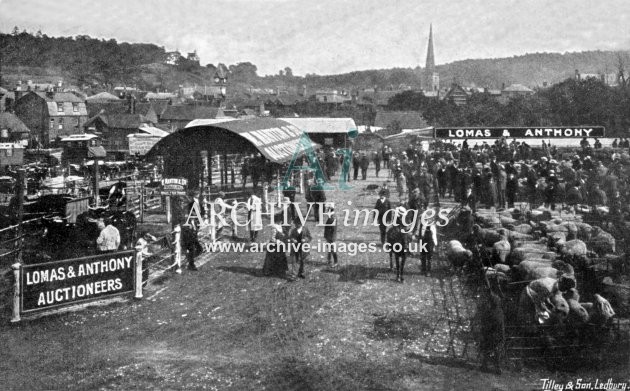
<point x="275" y="139"/>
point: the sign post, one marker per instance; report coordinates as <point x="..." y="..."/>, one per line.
<point x="56" y="284"/>
<point x="138" y="273"/>
<point x="17" y="268"/>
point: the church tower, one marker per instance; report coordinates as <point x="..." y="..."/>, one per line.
<point x="431" y="82"/>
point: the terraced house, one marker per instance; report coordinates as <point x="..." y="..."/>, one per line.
<point x="50" y="115"/>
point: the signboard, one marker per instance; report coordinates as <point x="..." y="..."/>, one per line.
<point x="54" y="284"/>
<point x="521" y="132"/>
<point x="174" y="186"/>
<point x="328" y="141"/>
<point x="141" y="143"/>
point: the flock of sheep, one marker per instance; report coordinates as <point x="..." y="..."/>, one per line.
<point x="529" y="260"/>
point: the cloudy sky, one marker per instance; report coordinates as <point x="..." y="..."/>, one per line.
<point x="334" y="36"/>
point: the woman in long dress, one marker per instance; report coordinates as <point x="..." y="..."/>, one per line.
<point x="276" y="259"/>
<point x="254" y="216"/>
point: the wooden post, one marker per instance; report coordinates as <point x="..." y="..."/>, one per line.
<point x="21" y="189"/>
<point x="211" y="162"/>
<point x="265" y="196"/>
<point x="204" y="175"/>
<point x="278" y="187"/>
<point x="168" y="208"/>
<point x="138" y="282"/>
<point x="225" y="169"/>
<point x="16" y="292"/>
<point x="142" y="200"/>
<point x="178" y="249"/>
<point x="96" y="185"/>
<point x="213" y="226"/>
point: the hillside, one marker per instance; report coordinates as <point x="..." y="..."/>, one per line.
<point x="84" y="60"/>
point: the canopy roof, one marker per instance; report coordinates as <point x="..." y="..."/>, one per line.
<point x="323" y="124"/>
<point x="275" y="139"/>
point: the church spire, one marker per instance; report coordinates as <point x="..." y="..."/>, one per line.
<point x="431" y="77"/>
<point x="430" y="64"/>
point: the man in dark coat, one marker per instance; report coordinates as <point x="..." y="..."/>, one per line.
<point x="356" y="163"/>
<point x="382" y="206"/>
<point x="551" y="190"/>
<point x="319" y="197"/>
<point x="511" y="189"/>
<point x="377" y="163"/>
<point x="299" y="236"/>
<point x="425" y="182"/>
<point x="365" y="163"/>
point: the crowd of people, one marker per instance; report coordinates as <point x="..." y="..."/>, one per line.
<point x="495" y="175"/>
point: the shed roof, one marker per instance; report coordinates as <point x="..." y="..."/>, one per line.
<point x="191" y="112"/>
<point x="79" y="137"/>
<point x="153" y="131"/>
<point x="13" y="123"/>
<point x="277" y="140"/>
<point x="58" y="96"/>
<point x="119" y="120"/>
<point x="102" y="97"/>
<point x="323" y="125"/>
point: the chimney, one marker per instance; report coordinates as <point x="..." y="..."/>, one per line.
<point x="58" y="87"/>
<point x="19" y="92"/>
<point x="131" y="103"/>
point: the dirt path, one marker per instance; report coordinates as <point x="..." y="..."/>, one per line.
<point x="229" y="327"/>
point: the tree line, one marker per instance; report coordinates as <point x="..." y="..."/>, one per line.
<point x="570" y="102"/>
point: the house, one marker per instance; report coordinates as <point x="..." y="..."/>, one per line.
<point x="78" y="148"/>
<point x="218" y="89"/>
<point x="161" y="96"/>
<point x="113" y="130"/>
<point x="129" y="106"/>
<point x="457" y="94"/>
<point x="404" y="120"/>
<point x="12" y="129"/>
<point x="331" y="96"/>
<point x="176" y="117"/>
<point x="193" y="57"/>
<point x="515" y="90"/>
<point x="374" y="96"/>
<point x="282" y="104"/>
<point x="50" y="115"/>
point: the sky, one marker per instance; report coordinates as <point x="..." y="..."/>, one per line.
<point x="335" y="36"/>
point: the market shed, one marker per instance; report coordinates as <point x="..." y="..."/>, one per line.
<point x="195" y="151"/>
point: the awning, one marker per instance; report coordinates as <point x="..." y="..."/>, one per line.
<point x="276" y="140"/>
<point x="96" y="152"/>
